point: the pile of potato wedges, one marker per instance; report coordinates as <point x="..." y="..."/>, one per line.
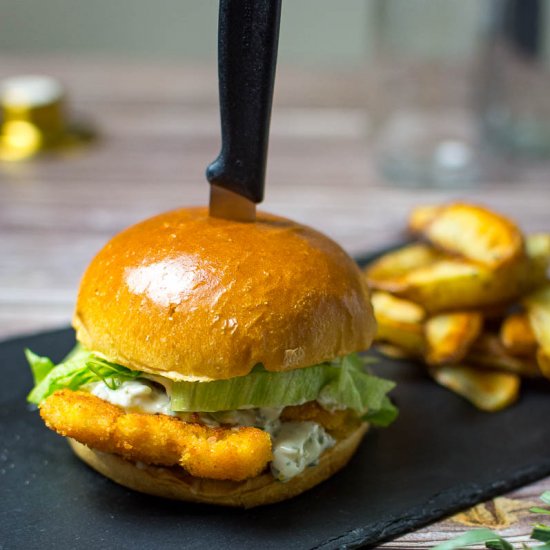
<point x="470" y="299"/>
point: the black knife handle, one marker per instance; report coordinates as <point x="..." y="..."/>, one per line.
<point x="247" y="54"/>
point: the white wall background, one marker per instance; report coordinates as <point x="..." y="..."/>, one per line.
<point x="328" y="32"/>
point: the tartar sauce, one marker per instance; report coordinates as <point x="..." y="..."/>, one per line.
<point x="134" y="396"/>
<point x="295" y="445"/>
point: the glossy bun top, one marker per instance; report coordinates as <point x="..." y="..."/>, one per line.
<point x="194" y="297"/>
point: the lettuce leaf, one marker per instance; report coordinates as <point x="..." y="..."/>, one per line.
<point x="351" y="387"/>
<point x="384" y="416"/>
<point x="40" y="366"/>
<point x="80" y="367"/>
<point x="339" y="384"/>
<point x="260" y="388"/>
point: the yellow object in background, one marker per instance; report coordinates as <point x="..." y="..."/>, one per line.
<point x="33" y="118"/>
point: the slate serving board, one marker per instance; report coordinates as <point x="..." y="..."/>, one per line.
<point x="440" y="456"/>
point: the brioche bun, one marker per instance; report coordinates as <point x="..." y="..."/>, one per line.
<point x="193" y="297"/>
<point x="187" y="296"/>
<point x="175" y="483"/>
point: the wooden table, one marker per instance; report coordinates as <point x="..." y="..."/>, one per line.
<point x="159" y="128"/>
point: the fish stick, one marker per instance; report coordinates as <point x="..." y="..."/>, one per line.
<point x="207" y="452"/>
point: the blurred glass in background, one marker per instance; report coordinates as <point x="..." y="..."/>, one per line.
<point x="427" y="52"/>
<point x="515" y="87"/>
<point x="462" y="85"/>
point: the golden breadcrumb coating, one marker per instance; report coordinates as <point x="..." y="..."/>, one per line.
<point x="215" y="453"/>
<point x="337" y="423"/>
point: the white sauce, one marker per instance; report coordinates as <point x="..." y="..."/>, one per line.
<point x="266" y="418"/>
<point x="134" y="396"/>
<point x="296" y="445"/>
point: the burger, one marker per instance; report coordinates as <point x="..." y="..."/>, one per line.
<point x="217" y="361"/>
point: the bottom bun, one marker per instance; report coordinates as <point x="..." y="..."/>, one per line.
<point x="174" y="483"/>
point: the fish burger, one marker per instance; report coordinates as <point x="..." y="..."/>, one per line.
<point x="216" y="360"/>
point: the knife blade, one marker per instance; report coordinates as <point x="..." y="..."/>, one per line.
<point x="229" y="205"/>
<point x="247" y="53"/>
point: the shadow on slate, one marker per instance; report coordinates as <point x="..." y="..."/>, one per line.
<point x="440" y="456"/>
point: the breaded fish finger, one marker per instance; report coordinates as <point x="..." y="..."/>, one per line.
<point x="335" y="422"/>
<point x="215" y="453"/>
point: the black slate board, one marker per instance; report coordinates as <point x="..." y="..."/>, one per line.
<point x="440" y="456"/>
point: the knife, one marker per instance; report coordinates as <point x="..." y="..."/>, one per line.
<point x="248" y="33"/>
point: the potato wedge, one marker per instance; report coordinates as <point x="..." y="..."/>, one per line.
<point x="407" y="337"/>
<point x="399" y="322"/>
<point x="517" y="336"/>
<point x="488" y="352"/>
<point x="387" y="272"/>
<point x="537" y="305"/>
<point x="488" y="391"/>
<point x="538" y="244"/>
<point x="386" y="305"/>
<point x="456" y="284"/>
<point x="440" y="282"/>
<point x="421" y="217"/>
<point x="393" y="352"/>
<point x="472" y="232"/>
<point x="450" y="335"/>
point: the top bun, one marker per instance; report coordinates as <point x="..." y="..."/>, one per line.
<point x="193" y="297"/>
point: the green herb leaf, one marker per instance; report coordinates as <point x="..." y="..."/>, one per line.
<point x="79" y="368"/>
<point x="111" y="374"/>
<point x="541" y="533"/>
<point x="545" y="497"/>
<point x="476" y="536"/>
<point x="498" y="544"/>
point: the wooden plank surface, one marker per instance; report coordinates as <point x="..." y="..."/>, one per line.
<point x="159" y="128"/>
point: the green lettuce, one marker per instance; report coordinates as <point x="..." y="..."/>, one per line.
<point x="80" y="367"/>
<point x="349" y="386"/>
<point x="339" y="384"/>
<point x="260" y="388"/>
<point x="384" y="416"/>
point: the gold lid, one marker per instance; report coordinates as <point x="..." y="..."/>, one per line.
<point x="33" y="118"/>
